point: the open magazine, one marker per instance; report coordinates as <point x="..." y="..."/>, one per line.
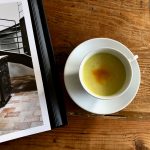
<point x="30" y="96"/>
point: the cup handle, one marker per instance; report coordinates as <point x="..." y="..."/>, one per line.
<point x="134" y="58"/>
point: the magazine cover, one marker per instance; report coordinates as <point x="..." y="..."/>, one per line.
<point x="23" y="104"/>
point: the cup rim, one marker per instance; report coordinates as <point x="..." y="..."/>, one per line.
<point x="92" y="93"/>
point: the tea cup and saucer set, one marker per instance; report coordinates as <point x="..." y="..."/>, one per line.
<point x="114" y="87"/>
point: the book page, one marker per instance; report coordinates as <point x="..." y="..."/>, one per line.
<point x="23" y="109"/>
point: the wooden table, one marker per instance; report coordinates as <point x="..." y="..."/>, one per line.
<point x="72" y="22"/>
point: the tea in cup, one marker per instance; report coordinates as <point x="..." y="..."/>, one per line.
<point x="105" y="73"/>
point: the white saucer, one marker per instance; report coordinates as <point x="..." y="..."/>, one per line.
<point x="80" y="96"/>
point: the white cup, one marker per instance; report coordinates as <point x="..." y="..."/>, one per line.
<point x="128" y="69"/>
<point x="79" y="92"/>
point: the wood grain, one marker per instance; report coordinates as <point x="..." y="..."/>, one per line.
<point x="89" y="133"/>
<point x="125" y="21"/>
<point x="72" y="22"/>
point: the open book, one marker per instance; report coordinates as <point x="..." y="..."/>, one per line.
<point x="30" y="96"/>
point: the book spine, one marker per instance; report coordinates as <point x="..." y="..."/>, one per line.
<point x="53" y="93"/>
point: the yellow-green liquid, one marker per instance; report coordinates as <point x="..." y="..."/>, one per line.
<point x="103" y="74"/>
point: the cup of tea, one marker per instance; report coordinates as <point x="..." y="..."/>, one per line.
<point x="106" y="73"/>
<point x="102" y="76"/>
